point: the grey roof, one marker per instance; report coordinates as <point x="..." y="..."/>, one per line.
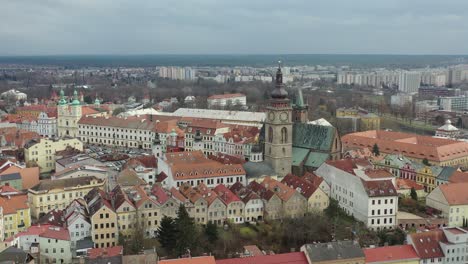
<point x="84" y="243"/>
<point x="16" y="255"/>
<point x="333" y="251"/>
<point x="446" y="173"/>
<point x="315" y="137"/>
<point x="258" y="169"/>
<point x="46" y="185"/>
<point x="113" y="260"/>
<point x="10" y="177"/>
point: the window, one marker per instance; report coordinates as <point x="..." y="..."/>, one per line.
<point x="270" y="134"/>
<point x="284" y="135"/>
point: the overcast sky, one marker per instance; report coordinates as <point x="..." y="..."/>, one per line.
<point x="43" y="27"/>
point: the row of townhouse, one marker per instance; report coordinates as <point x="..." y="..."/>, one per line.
<point x="363" y="192"/>
<point x="429" y="176"/>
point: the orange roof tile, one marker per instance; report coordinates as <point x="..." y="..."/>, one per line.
<point x="193" y="260"/>
<point x="282" y="190"/>
<point x="12" y="203"/>
<point x="455" y="193"/>
<point x="390" y="253"/>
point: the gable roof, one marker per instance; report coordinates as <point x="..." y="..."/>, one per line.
<point x="379" y="188"/>
<point x="304" y="187"/>
<point x="285" y="258"/>
<point x="283" y="191"/>
<point x="128" y="177"/>
<point x="390" y="253"/>
<point x="226" y="195"/>
<point x="427" y="244"/>
<point x="29" y="176"/>
<point x="455" y="193"/>
<point x="12" y="203"/>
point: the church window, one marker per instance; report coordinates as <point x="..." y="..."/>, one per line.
<point x="284" y="135"/>
<point x="270" y="134"/>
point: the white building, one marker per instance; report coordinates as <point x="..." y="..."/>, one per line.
<point x="401" y="99"/>
<point x="226" y="100"/>
<point x="447" y="130"/>
<point x="55" y="244"/>
<point x="409" y="82"/>
<point x="372" y="201"/>
<point x="193" y="168"/>
<point x="46" y="126"/>
<point x="14" y="94"/>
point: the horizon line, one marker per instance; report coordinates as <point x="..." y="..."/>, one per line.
<point x="228" y="54"/>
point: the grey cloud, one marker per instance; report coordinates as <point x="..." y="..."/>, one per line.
<point x="30" y="27"/>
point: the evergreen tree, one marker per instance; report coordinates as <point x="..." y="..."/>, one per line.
<point x="167" y="234"/>
<point x="186" y="231"/>
<point x="426" y="162"/>
<point x="211" y="232"/>
<point x="413" y="194"/>
<point x="376" y="150"/>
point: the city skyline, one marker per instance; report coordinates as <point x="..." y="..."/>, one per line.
<point x="57" y="27"/>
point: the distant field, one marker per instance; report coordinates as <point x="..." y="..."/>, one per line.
<point x="237" y="60"/>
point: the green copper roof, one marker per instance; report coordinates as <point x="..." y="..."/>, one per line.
<point x="299" y="155"/>
<point x="75" y="101"/>
<point x="314" y="137"/>
<point x="62" y="100"/>
<point x="97" y="102"/>
<point x="315" y="159"/>
<point x="300" y="98"/>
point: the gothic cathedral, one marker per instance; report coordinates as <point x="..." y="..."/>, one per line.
<point x="278" y="129"/>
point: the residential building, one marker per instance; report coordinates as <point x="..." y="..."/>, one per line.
<point x="366" y="194"/>
<point x="127" y="218"/>
<point x="58" y="194"/>
<point x="105" y="255"/>
<point x="104" y="231"/>
<point x="392" y="255"/>
<point x="148" y="209"/>
<point x="47" y="125"/>
<point x="42" y="151"/>
<point x="234" y="205"/>
<point x="145" y="167"/>
<point x="15" y="255"/>
<point x="293" y="203"/>
<point x="451" y="200"/>
<point x="272" y="203"/>
<point x="454" y="245"/>
<point x="15" y="214"/>
<point x="453" y="103"/>
<point x="409" y="82"/>
<point x="254" y="207"/>
<point x="194" y="168"/>
<point x="71" y="158"/>
<point x="312" y="187"/>
<point x="77" y="221"/>
<point x="334" y="252"/>
<point x="438" y="151"/>
<point x="55" y="245"/>
<point x="199" y="210"/>
<point x="428" y="245"/>
<point x="226" y="100"/>
<point x="165" y="200"/>
<point x="81" y="171"/>
<point x="29" y="176"/>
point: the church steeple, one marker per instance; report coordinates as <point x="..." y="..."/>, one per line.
<point x="300" y="109"/>
<point x="279" y="92"/>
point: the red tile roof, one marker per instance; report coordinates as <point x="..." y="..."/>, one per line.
<point x="304" y="187"/>
<point x="286" y="258"/>
<point x="379" y="188"/>
<point x="283" y="191"/>
<point x="194" y="260"/>
<point x="109" y="252"/>
<point x="225" y="194"/>
<point x="427" y="245"/>
<point x="225" y="96"/>
<point x="455" y="193"/>
<point x="12" y="203"/>
<point x="391" y="253"/>
<point x="404" y="184"/>
<point x="410" y="145"/>
<point x="59" y="233"/>
<point x="29" y="176"/>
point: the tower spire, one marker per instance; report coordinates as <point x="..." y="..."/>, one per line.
<point x="279" y="92"/>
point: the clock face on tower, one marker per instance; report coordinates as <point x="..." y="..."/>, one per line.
<point x="271" y="116"/>
<point x="284" y="116"/>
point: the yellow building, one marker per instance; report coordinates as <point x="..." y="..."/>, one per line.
<point x="16" y="214"/>
<point x="42" y="151"/>
<point x="104" y="229"/>
<point x="427" y="175"/>
<point x="312" y="187"/>
<point x="126" y="211"/>
<point x="362" y="119"/>
<point x="452" y="200"/>
<point x="58" y="194"/>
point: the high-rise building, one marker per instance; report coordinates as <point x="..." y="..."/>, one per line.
<point x="409" y="82"/>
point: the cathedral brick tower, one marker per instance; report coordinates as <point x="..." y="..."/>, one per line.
<point x="278" y="129"/>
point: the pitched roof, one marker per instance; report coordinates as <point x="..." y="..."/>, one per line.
<point x="285" y="258"/>
<point x="299" y="184"/>
<point x="405" y="184"/>
<point x="128" y="177"/>
<point x="226" y="195"/>
<point x="311" y="136"/>
<point x="225" y="96"/>
<point x="29" y="176"/>
<point x="458" y="177"/>
<point x="259" y="189"/>
<point x="94" y="253"/>
<point x="283" y="191"/>
<point x="455" y="193"/>
<point x="390" y="253"/>
<point x="12" y="203"/>
<point x="427" y="244"/>
<point x="411" y="145"/>
<point x="193" y="260"/>
<point x="46" y="185"/>
<point x="59" y="233"/>
<point x="333" y="251"/>
<point x="379" y="188"/>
